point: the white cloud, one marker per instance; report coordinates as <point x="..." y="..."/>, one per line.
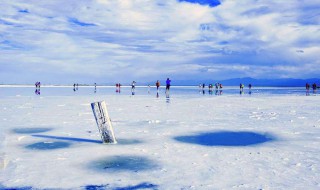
<point x="120" y="40"/>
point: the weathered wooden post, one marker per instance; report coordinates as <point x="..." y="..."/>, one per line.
<point x="103" y="121"/>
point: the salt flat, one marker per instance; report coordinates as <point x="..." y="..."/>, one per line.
<point x="182" y="142"/>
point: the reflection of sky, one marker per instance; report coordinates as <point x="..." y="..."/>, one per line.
<point x="143" y="91"/>
<point x="119" y="41"/>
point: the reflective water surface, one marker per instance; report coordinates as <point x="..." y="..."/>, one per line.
<point x="144" y="90"/>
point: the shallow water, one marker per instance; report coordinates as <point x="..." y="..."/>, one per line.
<point x="175" y="90"/>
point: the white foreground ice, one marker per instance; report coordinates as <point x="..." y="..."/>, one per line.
<point x="198" y="142"/>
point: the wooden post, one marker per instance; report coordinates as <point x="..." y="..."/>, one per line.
<point x="103" y="121"/>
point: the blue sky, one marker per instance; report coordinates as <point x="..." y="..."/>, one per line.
<point x="108" y="41"/>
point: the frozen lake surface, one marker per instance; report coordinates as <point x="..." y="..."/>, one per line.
<point x="269" y="139"/>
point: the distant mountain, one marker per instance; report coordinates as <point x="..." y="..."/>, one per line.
<point x="286" y="82"/>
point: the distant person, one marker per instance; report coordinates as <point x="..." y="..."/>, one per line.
<point x="168" y="84"/>
<point x="220" y="87"/>
<point x="250" y="86"/>
<point x="210" y="88"/>
<point x="157" y="85"/>
<point x="314" y="87"/>
<point x="241" y="88"/>
<point x="133" y="87"/>
<point x="117" y="87"/>
<point x="307" y="86"/>
<point x="148" y="88"/>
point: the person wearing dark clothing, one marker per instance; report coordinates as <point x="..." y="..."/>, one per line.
<point x="157" y="85"/>
<point x="168" y="84"/>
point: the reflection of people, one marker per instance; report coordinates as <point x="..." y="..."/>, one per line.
<point x="37" y="92"/>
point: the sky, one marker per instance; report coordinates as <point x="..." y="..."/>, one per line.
<point x="107" y="41"/>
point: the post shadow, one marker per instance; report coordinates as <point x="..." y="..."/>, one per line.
<point x="120" y="141"/>
<point x="227" y="138"/>
<point x="68" y="138"/>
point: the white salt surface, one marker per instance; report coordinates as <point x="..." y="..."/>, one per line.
<point x="199" y="142"/>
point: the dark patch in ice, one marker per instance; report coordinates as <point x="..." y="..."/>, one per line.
<point x="48" y="145"/>
<point x="123" y="163"/>
<point x="211" y="3"/>
<point x="69" y="138"/>
<point x="144" y="185"/>
<point x="226" y="138"/>
<point x="14" y="188"/>
<point x="128" y="141"/>
<point x="96" y="187"/>
<point x="139" y="186"/>
<point x="31" y="130"/>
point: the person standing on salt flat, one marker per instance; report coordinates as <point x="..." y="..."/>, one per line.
<point x="133" y="87"/>
<point x="168" y="84"/>
<point x="157" y="85"/>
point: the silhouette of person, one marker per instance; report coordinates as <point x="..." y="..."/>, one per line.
<point x="168" y="84"/>
<point x="157" y="85"/>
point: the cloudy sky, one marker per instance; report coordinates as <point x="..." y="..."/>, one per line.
<point x="87" y="41"/>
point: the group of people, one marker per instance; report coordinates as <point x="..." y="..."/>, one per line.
<point x="38" y="85"/>
<point x="218" y="88"/>
<point x="168" y="84"/>
<point x="118" y="87"/>
<point x="75" y="86"/>
<point x="314" y="88"/>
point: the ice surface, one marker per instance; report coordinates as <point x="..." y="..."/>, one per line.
<point x="192" y="141"/>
